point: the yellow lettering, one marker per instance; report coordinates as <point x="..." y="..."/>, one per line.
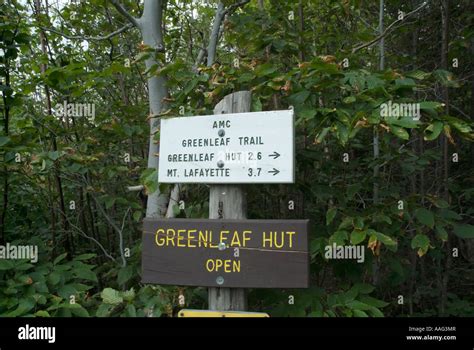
<point x="282" y="240"/>
<point x="181" y="238"/>
<point x="247" y="238"/>
<point x="218" y="264"/>
<point x="265" y="239"/>
<point x="210" y="265"/>
<point x="222" y="237"/>
<point x="235" y="240"/>
<point x="202" y="239"/>
<point x="227" y="266"/>
<point x="160" y="241"/>
<point x="211" y="245"/>
<point x="191" y="238"/>
<point x="236" y="265"/>
<point x="170" y="236"/>
<point x="291" y="233"/>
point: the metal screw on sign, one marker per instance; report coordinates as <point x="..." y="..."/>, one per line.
<point x="220" y="280"/>
<point x="221" y="133"/>
<point x="220" y="164"/>
<point x="221" y="246"/>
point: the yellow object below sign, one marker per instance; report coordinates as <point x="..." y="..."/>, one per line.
<point x="208" y="313"/>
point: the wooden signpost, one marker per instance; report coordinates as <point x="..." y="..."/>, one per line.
<point x="228" y="252"/>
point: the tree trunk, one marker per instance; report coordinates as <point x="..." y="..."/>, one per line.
<point x="150" y="25"/>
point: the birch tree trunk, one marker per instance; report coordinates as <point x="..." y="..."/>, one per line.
<point x="151" y="28"/>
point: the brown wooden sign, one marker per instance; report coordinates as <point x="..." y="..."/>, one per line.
<point x="226" y="253"/>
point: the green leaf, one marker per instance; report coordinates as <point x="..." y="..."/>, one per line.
<point x="359" y="313"/>
<point x="256" y="105"/>
<point x="446" y="78"/>
<point x="358" y="236"/>
<point x="330" y="215"/>
<point x="458" y="124"/>
<point x="131" y="311"/>
<point x="441" y="233"/>
<point x="85" y="274"/>
<point x="430" y="105"/>
<point x="124" y="275"/>
<point x="422" y="242"/>
<point x="128" y="295"/>
<point x="4" y="140"/>
<point x="349" y="99"/>
<point x="307" y="113"/>
<point x="149" y="179"/>
<point x="399" y="132"/>
<point x="298" y="98"/>
<point x="59" y="258"/>
<point x="54" y="155"/>
<point x="54" y="278"/>
<point x="464" y="230"/>
<point x="24" y="306"/>
<point x="85" y="257"/>
<point x="405" y="122"/>
<point x="358" y="305"/>
<point x="176" y="210"/>
<point x="433" y="130"/>
<point x="322" y="135"/>
<point x="137" y="215"/>
<point x="265" y="69"/>
<point x="6" y="264"/>
<point x="103" y="310"/>
<point x="388" y="241"/>
<point x="111" y="296"/>
<point x="346" y="222"/>
<point x="449" y="215"/>
<point x="364" y="288"/>
<point x="338" y="237"/>
<point x="372" y="301"/>
<point x="109" y="202"/>
<point x="425" y="217"/>
<point x="42" y="313"/>
<point x="76" y="309"/>
<point x="418" y="74"/>
<point x="438" y="202"/>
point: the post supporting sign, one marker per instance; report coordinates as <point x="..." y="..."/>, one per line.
<point x="256" y="147"/>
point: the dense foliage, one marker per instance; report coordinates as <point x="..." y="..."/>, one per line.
<point x="402" y="187"/>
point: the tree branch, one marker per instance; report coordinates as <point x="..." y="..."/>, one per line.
<point x="125" y="13"/>
<point x="91" y="38"/>
<point x="388" y="29"/>
<point x="235" y="6"/>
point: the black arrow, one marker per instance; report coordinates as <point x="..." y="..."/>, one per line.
<point x="274" y="171"/>
<point x="275" y="155"/>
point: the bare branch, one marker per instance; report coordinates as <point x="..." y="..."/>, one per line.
<point x="89" y="38"/>
<point x="95" y="241"/>
<point x="235" y="6"/>
<point x="221" y="12"/>
<point x="388" y="29"/>
<point x="135" y="188"/>
<point x="125" y="13"/>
